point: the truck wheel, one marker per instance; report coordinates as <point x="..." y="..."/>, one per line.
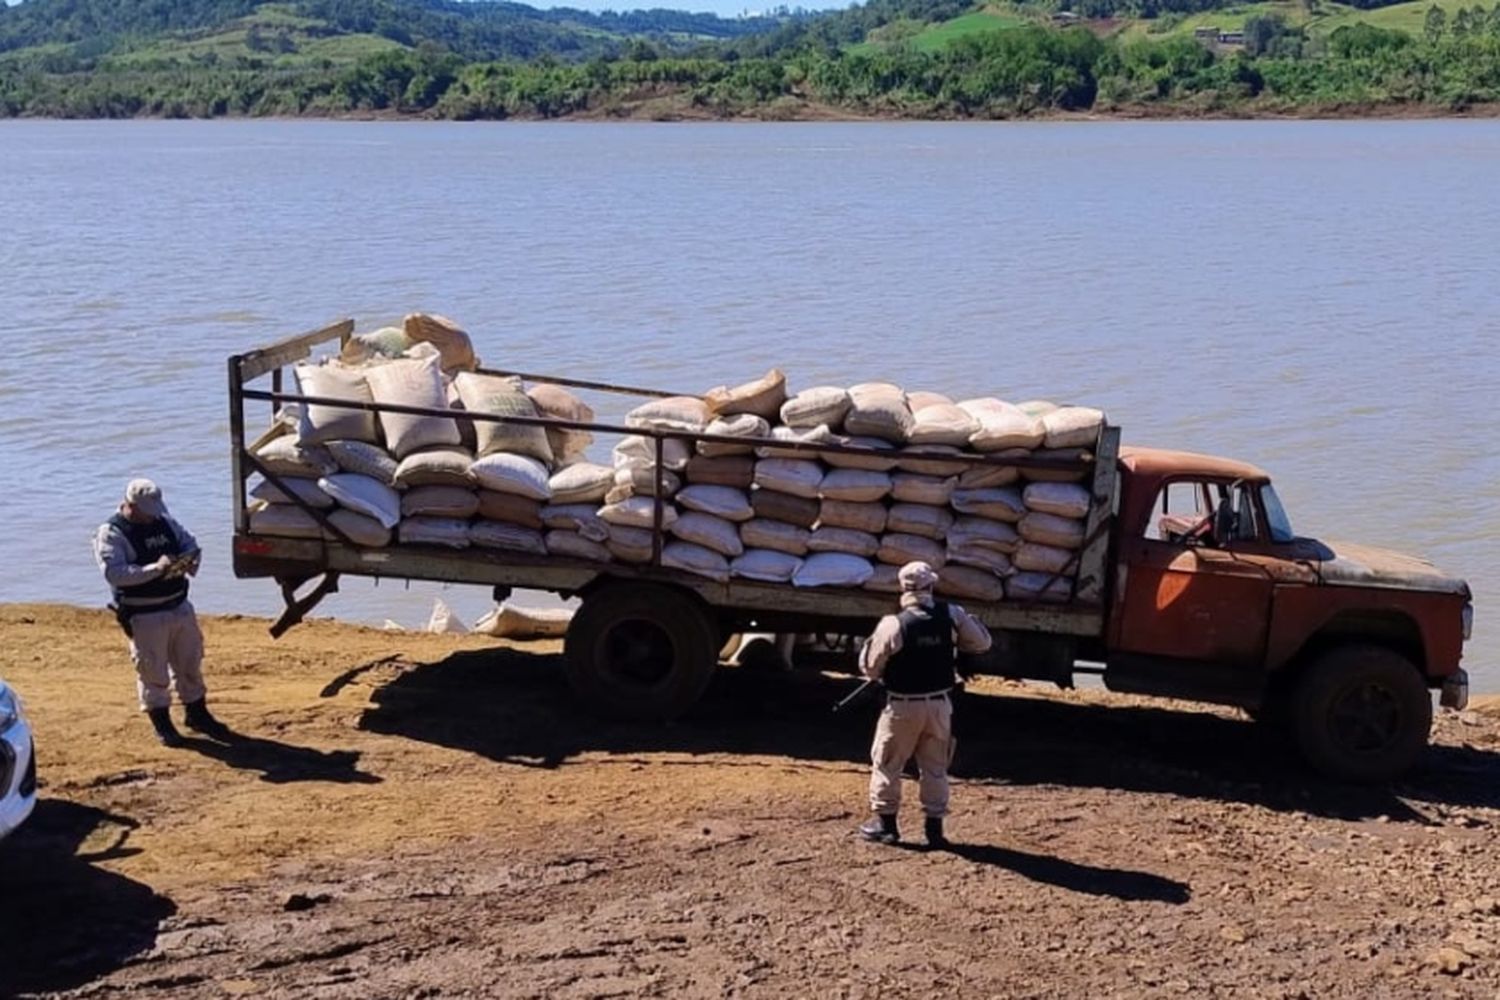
<point x="1362" y="714"/>
<point x="640" y="651"/>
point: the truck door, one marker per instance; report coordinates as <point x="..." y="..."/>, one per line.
<point x="1188" y="595"/>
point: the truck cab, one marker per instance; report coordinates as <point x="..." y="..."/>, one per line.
<point x="1217" y="598"/>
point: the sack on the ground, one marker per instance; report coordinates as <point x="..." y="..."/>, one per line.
<point x="912" y="487"/>
<point x="443" y="620"/>
<point x="879" y="409"/>
<point x="823" y="404"/>
<point x="1062" y="499"/>
<point x="1073" y="427"/>
<point x="720" y="501"/>
<point x="919" y="519"/>
<point x="745" y="425"/>
<point x="363" y="494"/>
<point x="870" y="517"/>
<point x="832" y="569"/>
<point x="856" y="485"/>
<point x="777" y="506"/>
<point x="765" y="565"/>
<point x="1049" y="529"/>
<point x="1000" y="503"/>
<point x="503" y="535"/>
<point x="506" y="622"/>
<point x="789" y="475"/>
<point x="496" y="506"/>
<point x="503" y="397"/>
<point x="734" y="471"/>
<point x="364" y="458"/>
<point x="411" y="382"/>
<point x="582" y="482"/>
<point x="573" y="545"/>
<point x="455" y="349"/>
<point x="761" y="398"/>
<point x="439" y="501"/>
<point x="829" y="539"/>
<point x="898" y="549"/>
<point x="695" y="559"/>
<point x="435" y="467"/>
<point x="507" y="473"/>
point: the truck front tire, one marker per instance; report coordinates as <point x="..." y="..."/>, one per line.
<point x="1362" y="713"/>
<point x="640" y="651"/>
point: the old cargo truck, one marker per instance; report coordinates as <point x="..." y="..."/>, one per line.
<point x="1190" y="583"/>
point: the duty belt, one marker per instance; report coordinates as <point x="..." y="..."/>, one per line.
<point x="934" y="696"/>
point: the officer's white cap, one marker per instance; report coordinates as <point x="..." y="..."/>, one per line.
<point x="916" y="577"/>
<point x="145" y="496"/>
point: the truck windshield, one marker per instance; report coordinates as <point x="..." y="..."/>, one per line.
<point x="1276" y="519"/>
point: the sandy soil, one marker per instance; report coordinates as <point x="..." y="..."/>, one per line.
<point x="424" y="816"/>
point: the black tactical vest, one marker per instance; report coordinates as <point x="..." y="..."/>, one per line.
<point x="150" y="542"/>
<point x="925" y="661"/>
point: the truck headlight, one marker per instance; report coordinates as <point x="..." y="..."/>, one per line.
<point x="10" y="708"/>
<point x="1468" y="620"/>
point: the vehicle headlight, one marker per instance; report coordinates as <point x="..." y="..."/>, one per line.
<point x="1468" y="621"/>
<point x="10" y="708"/>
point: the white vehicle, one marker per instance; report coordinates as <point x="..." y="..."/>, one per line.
<point x="17" y="763"/>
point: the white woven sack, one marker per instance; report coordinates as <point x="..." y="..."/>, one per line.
<point x="364" y="458"/>
<point x="977" y="555"/>
<point x="285" y="457"/>
<point x="640" y="480"/>
<point x="856" y="485"/>
<point x="575" y="546"/>
<point x="518" y="474"/>
<point x="435" y="467"/>
<point x="504" y="535"/>
<point x="985" y="532"/>
<point x="914" y="459"/>
<point x="923" y="398"/>
<point x="637" y="451"/>
<point x="832" y="569"/>
<point x="1036" y="407"/>
<point x="1039" y="587"/>
<point x="879" y="409"/>
<point x="720" y="501"/>
<point x="746" y="425"/>
<point x="582" y="482"/>
<point x="628" y="544"/>
<point x="1062" y="499"/>
<point x="811" y="436"/>
<point x="411" y="382"/>
<point x="676" y="413"/>
<point x="856" y="543"/>
<point x="1049" y="529"/>
<point x="1033" y="557"/>
<point x="363" y="494"/>
<point x="885" y="579"/>
<point x="362" y="530"/>
<point x="919" y="519"/>
<point x="778" y="535"/>
<point x="320" y="422"/>
<point x="979" y="477"/>
<point x="943" y="423"/>
<point x="581" y="518"/>
<point x="761" y="398"/>
<point x="1000" y="503"/>
<point x="695" y="559"/>
<point x="305" y="490"/>
<point x="899" y="549"/>
<point x="883" y="461"/>
<point x="789" y="475"/>
<point x="911" y="487"/>
<point x="637" y="512"/>
<point x="1073" y="427"/>
<point x="450" y="532"/>
<point x="870" y="517"/>
<point x="502" y="396"/>
<point x="970" y="583"/>
<point x="284" y="521"/>
<point x="439" y="501"/>
<point x="822" y="404"/>
<point x="1002" y="426"/>
<point x="765" y="565"/>
<point x="708" y="531"/>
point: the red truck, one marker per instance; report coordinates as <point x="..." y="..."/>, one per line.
<point x="1190" y="583"/>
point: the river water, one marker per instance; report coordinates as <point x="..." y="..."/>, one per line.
<point x="1315" y="297"/>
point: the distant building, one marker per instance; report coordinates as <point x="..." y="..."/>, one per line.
<point x="1206" y="34"/>
<point x="1232" y="38"/>
<point x="1065" y="17"/>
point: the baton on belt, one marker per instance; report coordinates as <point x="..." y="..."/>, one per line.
<point x="855" y="693"/>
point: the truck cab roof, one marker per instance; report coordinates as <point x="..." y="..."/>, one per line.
<point x="1163" y="463"/>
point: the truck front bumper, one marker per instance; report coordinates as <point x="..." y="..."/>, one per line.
<point x="1455" y="693"/>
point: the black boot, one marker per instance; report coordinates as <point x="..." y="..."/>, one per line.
<point x="197" y="717"/>
<point x="933" y="828"/>
<point x="161" y="721"/>
<point x="880" y="829"/>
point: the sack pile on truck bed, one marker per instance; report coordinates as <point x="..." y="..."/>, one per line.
<point x="754" y="511"/>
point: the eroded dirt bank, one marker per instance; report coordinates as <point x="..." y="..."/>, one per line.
<point x="407" y="815"/>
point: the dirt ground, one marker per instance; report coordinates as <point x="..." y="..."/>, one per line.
<point x="427" y="816"/>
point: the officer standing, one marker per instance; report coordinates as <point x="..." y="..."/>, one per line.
<point x="147" y="558"/>
<point x="913" y="653"/>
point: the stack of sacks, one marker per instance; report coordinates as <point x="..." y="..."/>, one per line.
<point x="1051" y="533"/>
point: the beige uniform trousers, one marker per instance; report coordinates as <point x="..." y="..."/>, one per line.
<point x="923" y="728"/>
<point x="167" y="648"/>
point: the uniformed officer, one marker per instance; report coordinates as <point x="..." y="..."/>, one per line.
<point x="913" y="653"/>
<point x="147" y="558"/>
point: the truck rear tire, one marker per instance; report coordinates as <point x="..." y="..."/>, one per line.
<point x="640" y="651"/>
<point x="1363" y="713"/>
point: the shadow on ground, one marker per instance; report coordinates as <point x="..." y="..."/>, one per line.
<point x="282" y="763"/>
<point x="514" y="706"/>
<point x="65" y="921"/>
